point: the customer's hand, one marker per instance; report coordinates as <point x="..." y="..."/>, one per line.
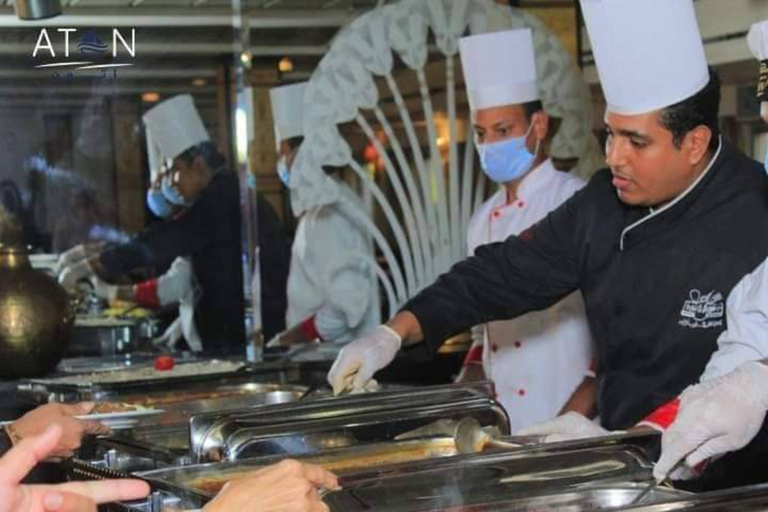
<point x="70" y="497"/>
<point x="289" y="486"/>
<point x="36" y="421"/>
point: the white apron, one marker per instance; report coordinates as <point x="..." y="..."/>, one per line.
<point x="178" y="286"/>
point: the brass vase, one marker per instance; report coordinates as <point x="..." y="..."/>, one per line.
<point x="35" y="317"/>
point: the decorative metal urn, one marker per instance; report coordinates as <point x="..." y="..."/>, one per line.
<point x="35" y="312"/>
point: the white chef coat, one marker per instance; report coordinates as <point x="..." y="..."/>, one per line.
<point x="178" y="285"/>
<point x="746" y="338"/>
<point x="537" y="360"/>
<point x="331" y="275"/>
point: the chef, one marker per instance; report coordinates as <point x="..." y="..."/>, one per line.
<point x="536" y="360"/>
<point x="332" y="296"/>
<point x="655" y="243"/>
<point x="726" y="410"/>
<point x="208" y="231"/>
<point x="177" y="286"/>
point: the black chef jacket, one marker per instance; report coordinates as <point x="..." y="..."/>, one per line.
<point x="654" y="284"/>
<point x="208" y="232"/>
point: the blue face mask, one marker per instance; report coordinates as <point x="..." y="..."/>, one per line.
<point x="282" y="171"/>
<point x="171" y="193"/>
<point x="506" y="160"/>
<point x="157" y="203"/>
<point x="250" y="181"/>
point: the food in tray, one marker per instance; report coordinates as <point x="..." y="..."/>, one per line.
<point x="148" y="373"/>
<point x="110" y="407"/>
<point x="211" y="485"/>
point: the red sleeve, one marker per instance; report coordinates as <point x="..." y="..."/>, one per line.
<point x="474" y="355"/>
<point x="146" y="294"/>
<point x="309" y="329"/>
<point x="663" y="417"/>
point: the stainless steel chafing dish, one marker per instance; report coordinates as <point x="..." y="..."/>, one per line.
<point x="208" y="479"/>
<point x="487" y="478"/>
<point x="143" y="380"/>
<point x="439" y="483"/>
<point x="586" y="498"/>
<point x="312" y="426"/>
<point x="753" y="498"/>
<point x="165" y="441"/>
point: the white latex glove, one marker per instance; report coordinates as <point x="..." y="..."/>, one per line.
<point x="276" y="341"/>
<point x="69" y="257"/>
<point x="359" y="360"/>
<point x="103" y="289"/>
<point x="567" y="427"/>
<point x="170" y="338"/>
<point x="289" y="486"/>
<point x="73" y="273"/>
<point x="715" y="417"/>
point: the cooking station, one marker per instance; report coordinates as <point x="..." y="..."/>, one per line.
<point x="400" y="448"/>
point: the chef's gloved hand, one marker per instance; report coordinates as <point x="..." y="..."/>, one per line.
<point x="716" y="417"/>
<point x="359" y="360"/>
<point x="103" y="289"/>
<point x="67" y="258"/>
<point x="74" y="273"/>
<point x="567" y="427"/>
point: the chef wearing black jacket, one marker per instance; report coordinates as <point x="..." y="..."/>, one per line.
<point x="655" y="243"/>
<point x="208" y="231"/>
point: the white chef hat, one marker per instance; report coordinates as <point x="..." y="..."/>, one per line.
<point x="757" y="39"/>
<point x="499" y="68"/>
<point x="649" y="53"/>
<point x="288" y="110"/>
<point x="172" y="127"/>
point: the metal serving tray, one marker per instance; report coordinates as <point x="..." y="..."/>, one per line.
<point x="753" y="498"/>
<point x="439" y="483"/>
<point x="481" y="479"/>
<point x="75" y="388"/>
<point x="308" y="427"/>
<point x="164" y="441"/>
<point x="208" y="479"/>
<point x="588" y="498"/>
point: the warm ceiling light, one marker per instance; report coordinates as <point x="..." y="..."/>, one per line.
<point x="285" y="65"/>
<point x="246" y="58"/>
<point x="150" y="97"/>
<point x="199" y="82"/>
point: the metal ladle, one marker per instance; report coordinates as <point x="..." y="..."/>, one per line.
<point x="468" y="435"/>
<point x="471" y="438"/>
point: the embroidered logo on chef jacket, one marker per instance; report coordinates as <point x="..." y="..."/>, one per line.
<point x="703" y="311"/>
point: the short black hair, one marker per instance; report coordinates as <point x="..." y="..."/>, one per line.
<point x="531" y="108"/>
<point x="210" y="153"/>
<point x="701" y="109"/>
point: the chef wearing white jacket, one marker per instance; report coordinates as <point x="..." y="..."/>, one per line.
<point x="332" y="295"/>
<point x="538" y="359"/>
